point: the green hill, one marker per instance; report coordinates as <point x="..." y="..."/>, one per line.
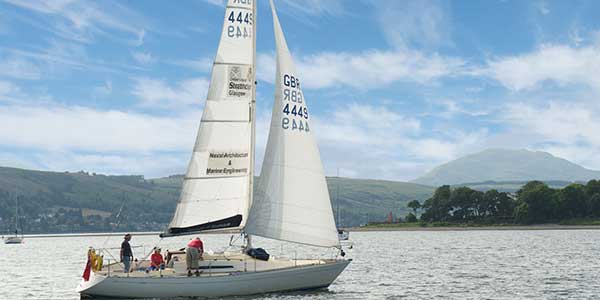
<point x="363" y="200"/>
<point x="80" y="202"/>
<point x="52" y="201"/>
<point x="360" y="200"/>
<point x="506" y="165"/>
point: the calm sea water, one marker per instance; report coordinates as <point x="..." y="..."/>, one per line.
<point x="560" y="264"/>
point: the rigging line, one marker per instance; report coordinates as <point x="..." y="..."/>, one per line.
<point x="117" y="221"/>
<point x="233" y="240"/>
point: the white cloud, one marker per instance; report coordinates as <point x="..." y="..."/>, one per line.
<point x="103" y="90"/>
<point x="200" y="65"/>
<point x="144" y="58"/>
<point x="453" y="108"/>
<point x="366" y="70"/>
<point x="7" y="88"/>
<point x="575" y="37"/>
<point x="365" y="141"/>
<point x="556" y="63"/>
<point x="568" y="130"/>
<point x="140" y="38"/>
<point x="70" y="128"/>
<point x="313" y="7"/>
<point x="53" y="60"/>
<point x="87" y="18"/>
<point x="558" y="122"/>
<point x="265" y="67"/>
<point x="410" y="24"/>
<point x="16" y="160"/>
<point x="159" y="93"/>
<point x="10" y="92"/>
<point x="366" y="125"/>
<point x="376" y="142"/>
<point x="595" y="38"/>
<point x="41" y="134"/>
<point x="542" y="7"/>
<point x="216" y="2"/>
<point x="19" y="68"/>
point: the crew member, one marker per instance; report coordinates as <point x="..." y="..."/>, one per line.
<point x="193" y="252"/>
<point x="126" y="254"/>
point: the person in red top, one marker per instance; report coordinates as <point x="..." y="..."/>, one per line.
<point x="193" y="252"/>
<point x="156" y="260"/>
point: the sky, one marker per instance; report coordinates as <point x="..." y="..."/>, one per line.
<point x="395" y="87"/>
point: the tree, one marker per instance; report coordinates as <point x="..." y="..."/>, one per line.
<point x="572" y="201"/>
<point x="536" y="203"/>
<point x="592" y="187"/>
<point x="594" y="205"/>
<point x="437" y="208"/>
<point x="505" y="205"/>
<point x="414" y="205"/>
<point x="411" y="218"/>
<point x="466" y="204"/>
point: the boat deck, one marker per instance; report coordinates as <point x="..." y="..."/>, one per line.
<point x="210" y="265"/>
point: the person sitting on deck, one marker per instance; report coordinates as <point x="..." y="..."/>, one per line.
<point x="156" y="260"/>
<point x="193" y="252"/>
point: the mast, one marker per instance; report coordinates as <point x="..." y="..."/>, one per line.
<point x="16" y="212"/>
<point x="252" y="121"/>
<point x="337" y="199"/>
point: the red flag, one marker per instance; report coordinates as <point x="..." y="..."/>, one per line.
<point x="88" y="270"/>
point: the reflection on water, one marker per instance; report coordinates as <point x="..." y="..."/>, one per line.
<point x="387" y="265"/>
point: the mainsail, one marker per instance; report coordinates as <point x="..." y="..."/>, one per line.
<point x="217" y="188"/>
<point x="292" y="202"/>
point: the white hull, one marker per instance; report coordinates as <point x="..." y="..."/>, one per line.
<point x="13" y="240"/>
<point x="303" y="277"/>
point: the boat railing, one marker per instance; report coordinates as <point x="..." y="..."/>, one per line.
<point x="112" y="266"/>
<point x="111" y="260"/>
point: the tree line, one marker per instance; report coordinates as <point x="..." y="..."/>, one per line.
<point x="535" y="202"/>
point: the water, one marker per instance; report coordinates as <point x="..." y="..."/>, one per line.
<point x="561" y="264"/>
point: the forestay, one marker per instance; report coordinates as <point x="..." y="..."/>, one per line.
<point x="292" y="203"/>
<point x="216" y="188"/>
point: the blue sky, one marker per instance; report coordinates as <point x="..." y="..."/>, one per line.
<point x="395" y="87"/>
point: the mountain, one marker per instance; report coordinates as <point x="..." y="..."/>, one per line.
<point x="84" y="202"/>
<point x="503" y="165"/>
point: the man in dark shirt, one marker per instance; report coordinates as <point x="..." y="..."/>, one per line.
<point x="126" y="253"/>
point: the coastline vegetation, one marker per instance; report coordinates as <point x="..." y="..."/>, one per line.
<point x="534" y="203"/>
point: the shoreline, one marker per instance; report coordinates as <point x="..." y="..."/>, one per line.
<point x="100" y="234"/>
<point x="353" y="229"/>
<point x="482" y="228"/>
<point x="83" y="234"/>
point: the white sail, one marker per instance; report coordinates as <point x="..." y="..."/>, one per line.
<point x="292" y="202"/>
<point x="216" y="191"/>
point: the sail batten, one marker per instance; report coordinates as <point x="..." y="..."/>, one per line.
<point x="215" y="194"/>
<point x="292" y="202"/>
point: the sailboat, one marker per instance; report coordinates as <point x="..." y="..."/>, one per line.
<point x="292" y="202"/>
<point x="16" y="239"/>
